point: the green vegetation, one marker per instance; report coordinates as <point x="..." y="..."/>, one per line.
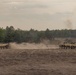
<point x="17" y="35"/>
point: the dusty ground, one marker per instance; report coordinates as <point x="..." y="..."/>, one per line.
<point x="37" y="62"/>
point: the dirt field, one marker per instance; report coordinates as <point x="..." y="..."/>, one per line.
<point x="37" y="62"/>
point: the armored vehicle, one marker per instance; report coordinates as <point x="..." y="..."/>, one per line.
<point x="67" y="45"/>
<point x="4" y="46"/>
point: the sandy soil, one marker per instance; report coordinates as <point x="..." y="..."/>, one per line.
<point x="37" y="62"/>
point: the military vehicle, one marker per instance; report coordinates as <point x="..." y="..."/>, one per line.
<point x="4" y="46"/>
<point x="68" y="45"/>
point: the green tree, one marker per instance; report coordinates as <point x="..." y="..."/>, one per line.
<point x="9" y="35"/>
<point x="2" y="34"/>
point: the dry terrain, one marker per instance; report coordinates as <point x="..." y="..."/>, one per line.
<point x="37" y="62"/>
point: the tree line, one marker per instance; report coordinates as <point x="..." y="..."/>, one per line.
<point x="10" y="34"/>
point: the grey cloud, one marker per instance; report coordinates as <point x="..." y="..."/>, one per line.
<point x="36" y="6"/>
<point x="34" y="20"/>
<point x="25" y="7"/>
<point x="32" y="14"/>
<point x="39" y="17"/>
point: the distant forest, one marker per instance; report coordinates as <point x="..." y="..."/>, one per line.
<point x="10" y="34"/>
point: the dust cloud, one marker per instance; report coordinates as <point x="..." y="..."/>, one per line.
<point x="32" y="46"/>
<point x="69" y="24"/>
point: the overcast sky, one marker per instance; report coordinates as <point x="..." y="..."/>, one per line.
<point x="38" y="14"/>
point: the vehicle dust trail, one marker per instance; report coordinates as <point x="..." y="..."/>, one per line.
<point x="69" y="24"/>
<point x="32" y="46"/>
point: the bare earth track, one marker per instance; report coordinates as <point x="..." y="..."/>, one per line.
<point x="37" y="62"/>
